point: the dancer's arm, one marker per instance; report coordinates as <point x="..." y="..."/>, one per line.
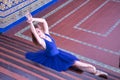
<point x="40" y="40"/>
<point x="45" y="24"/>
<point x="33" y="30"/>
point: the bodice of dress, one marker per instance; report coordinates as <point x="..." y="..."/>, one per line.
<point x="51" y="48"/>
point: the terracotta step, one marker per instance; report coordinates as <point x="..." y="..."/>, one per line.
<point x="12" y="58"/>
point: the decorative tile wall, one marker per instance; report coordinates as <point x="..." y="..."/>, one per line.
<point x="13" y="10"/>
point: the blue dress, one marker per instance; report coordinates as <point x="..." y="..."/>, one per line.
<point x="52" y="57"/>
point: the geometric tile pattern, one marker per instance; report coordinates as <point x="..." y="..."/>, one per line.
<point x="11" y="11"/>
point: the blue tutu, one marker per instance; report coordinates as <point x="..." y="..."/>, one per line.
<point x="52" y="57"/>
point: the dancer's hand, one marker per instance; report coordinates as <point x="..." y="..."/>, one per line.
<point x="30" y="20"/>
<point x="29" y="17"/>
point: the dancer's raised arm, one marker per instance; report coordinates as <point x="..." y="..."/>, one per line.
<point x="45" y="24"/>
<point x="33" y="30"/>
<point x="39" y="40"/>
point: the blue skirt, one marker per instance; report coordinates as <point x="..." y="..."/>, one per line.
<point x="59" y="62"/>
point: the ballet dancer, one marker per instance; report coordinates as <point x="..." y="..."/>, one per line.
<point x="50" y="56"/>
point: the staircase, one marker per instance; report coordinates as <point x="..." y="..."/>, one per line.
<point x="14" y="66"/>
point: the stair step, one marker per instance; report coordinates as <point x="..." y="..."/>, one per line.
<point x="13" y="61"/>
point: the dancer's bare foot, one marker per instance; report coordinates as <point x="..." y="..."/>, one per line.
<point x="101" y="74"/>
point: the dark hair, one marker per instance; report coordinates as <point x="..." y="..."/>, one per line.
<point x="34" y="39"/>
<point x="39" y="25"/>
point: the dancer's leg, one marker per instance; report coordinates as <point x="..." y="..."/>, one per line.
<point x="85" y="67"/>
<point x="89" y="68"/>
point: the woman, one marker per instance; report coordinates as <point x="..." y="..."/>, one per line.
<point x="50" y="56"/>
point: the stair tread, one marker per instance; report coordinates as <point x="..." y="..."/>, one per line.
<point x="15" y="56"/>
